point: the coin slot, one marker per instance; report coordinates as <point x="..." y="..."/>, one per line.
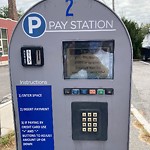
<point x="38" y="57"/>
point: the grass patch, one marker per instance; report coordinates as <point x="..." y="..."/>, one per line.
<point x="7" y="140"/>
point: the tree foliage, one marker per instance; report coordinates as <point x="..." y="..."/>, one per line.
<point x="145" y="29"/>
<point x="136" y="35"/>
<point x="4" y="12"/>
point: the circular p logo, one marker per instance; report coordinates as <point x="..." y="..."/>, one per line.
<point x="34" y="25"/>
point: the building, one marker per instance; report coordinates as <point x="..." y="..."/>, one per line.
<point x="6" y="28"/>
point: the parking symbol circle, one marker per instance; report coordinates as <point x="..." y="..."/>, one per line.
<point x="34" y="25"/>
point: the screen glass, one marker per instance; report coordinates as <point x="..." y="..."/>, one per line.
<point x="88" y="59"/>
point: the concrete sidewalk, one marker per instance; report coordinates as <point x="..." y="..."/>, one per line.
<point x="3" y="63"/>
<point x="6" y="118"/>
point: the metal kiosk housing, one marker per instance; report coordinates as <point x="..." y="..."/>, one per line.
<point x="58" y="104"/>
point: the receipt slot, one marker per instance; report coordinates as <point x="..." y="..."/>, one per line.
<point x="70" y="65"/>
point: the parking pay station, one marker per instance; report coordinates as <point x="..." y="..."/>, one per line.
<point x="70" y="63"/>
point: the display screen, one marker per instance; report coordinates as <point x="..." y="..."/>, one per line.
<point x="88" y="59"/>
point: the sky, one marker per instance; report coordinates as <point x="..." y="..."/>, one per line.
<point x="136" y="10"/>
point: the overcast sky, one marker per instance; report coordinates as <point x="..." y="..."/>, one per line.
<point x="137" y="10"/>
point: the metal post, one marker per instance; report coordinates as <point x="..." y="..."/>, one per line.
<point x="113" y="5"/>
<point x="0" y="127"/>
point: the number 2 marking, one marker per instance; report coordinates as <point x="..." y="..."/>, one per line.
<point x="69" y="7"/>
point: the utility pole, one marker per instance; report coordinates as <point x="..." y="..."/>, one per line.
<point x="113" y="5"/>
<point x="12" y="10"/>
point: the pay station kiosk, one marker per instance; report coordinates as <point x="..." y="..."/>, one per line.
<point x="70" y="64"/>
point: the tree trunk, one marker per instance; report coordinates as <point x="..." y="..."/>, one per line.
<point x="12" y="10"/>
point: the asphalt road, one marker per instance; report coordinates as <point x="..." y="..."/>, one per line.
<point x="141" y="81"/>
<point x="135" y="142"/>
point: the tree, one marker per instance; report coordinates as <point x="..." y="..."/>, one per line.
<point x="12" y="10"/>
<point x="145" y="29"/>
<point x="4" y="12"/>
<point x="136" y="37"/>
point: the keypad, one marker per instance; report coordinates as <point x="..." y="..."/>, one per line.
<point x="89" y="122"/>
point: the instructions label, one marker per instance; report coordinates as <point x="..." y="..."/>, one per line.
<point x="35" y="114"/>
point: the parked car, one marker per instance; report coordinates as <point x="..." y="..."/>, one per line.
<point x="145" y="53"/>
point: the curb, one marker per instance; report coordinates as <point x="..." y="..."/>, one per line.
<point x="5" y="99"/>
<point x="145" y="63"/>
<point x="5" y="104"/>
<point x="2" y="64"/>
<point x="141" y="119"/>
